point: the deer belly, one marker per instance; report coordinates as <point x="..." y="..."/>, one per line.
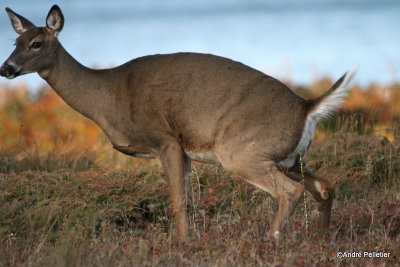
<point x="135" y="151"/>
<point x="204" y="157"/>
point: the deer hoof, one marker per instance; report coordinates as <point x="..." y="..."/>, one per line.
<point x="324" y="194"/>
<point x="322" y="191"/>
<point x="277" y="235"/>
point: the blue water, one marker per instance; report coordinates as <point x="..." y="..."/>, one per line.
<point x="289" y="39"/>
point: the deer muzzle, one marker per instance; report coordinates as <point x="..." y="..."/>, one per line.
<point x="8" y="71"/>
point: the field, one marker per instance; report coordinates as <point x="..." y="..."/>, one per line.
<point x="68" y="199"/>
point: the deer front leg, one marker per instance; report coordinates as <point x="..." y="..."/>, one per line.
<point x="172" y="159"/>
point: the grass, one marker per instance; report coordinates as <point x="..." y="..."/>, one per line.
<point x="67" y="202"/>
<point x="106" y="217"/>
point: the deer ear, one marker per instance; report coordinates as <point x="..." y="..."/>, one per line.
<point x="55" y="20"/>
<point x="19" y="23"/>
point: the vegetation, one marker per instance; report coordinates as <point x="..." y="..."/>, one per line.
<point x="68" y="199"/>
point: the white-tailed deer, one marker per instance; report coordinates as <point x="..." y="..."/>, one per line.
<point x="187" y="106"/>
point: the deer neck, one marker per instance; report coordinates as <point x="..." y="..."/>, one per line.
<point x="82" y="88"/>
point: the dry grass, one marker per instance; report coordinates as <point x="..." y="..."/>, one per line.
<point x="64" y="202"/>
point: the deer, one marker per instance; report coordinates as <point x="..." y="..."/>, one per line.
<point x="186" y="107"/>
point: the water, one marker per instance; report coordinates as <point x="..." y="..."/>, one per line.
<point x="289" y="39"/>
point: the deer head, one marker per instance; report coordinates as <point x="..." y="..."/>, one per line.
<point x="36" y="47"/>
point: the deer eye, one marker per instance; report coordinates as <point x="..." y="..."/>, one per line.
<point x="36" y="45"/>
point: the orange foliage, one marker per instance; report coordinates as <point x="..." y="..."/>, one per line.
<point x="379" y="100"/>
<point x="47" y="123"/>
<point x="43" y="127"/>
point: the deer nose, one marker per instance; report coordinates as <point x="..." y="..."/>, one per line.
<point x="7" y="70"/>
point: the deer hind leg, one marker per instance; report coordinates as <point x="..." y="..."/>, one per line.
<point x="287" y="194"/>
<point x="266" y="176"/>
<point x="176" y="167"/>
<point x="323" y="192"/>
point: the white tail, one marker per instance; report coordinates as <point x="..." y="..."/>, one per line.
<point x="329" y="102"/>
<point x="188" y="106"/>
